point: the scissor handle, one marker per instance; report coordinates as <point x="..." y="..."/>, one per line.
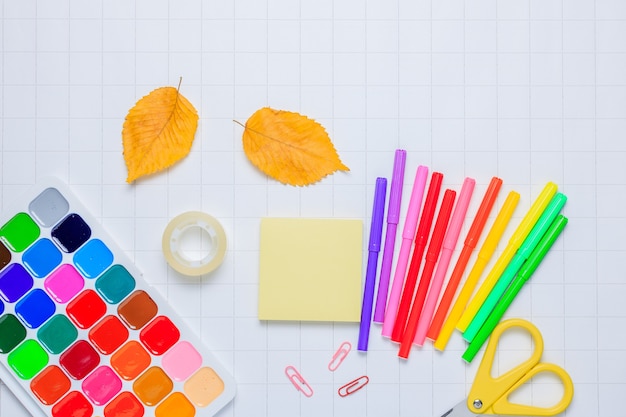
<point x="490" y="395"/>
<point x="503" y="406"/>
<point x="486" y="390"/>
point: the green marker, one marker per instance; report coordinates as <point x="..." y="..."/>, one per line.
<point x="524" y="274"/>
<point x="531" y="241"/>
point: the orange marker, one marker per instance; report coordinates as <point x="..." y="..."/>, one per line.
<point x="484" y="255"/>
<point x="432" y="255"/>
<point x="469" y="245"/>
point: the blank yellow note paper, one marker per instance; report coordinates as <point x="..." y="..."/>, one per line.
<point x="310" y="269"/>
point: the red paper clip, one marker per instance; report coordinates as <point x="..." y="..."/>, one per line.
<point x="339" y="356"/>
<point x="353" y="386"/>
<point x="298" y="382"/>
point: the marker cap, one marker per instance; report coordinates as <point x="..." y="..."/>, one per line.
<point x="378" y="213"/>
<point x="542" y="248"/>
<point x="395" y="195"/>
<point x="415" y="202"/>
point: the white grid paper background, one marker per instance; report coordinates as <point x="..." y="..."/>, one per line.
<point x="529" y="90"/>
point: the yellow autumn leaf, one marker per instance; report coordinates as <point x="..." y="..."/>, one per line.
<point x="158" y="132"/>
<point x="290" y="147"/>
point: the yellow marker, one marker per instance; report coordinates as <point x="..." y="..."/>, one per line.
<point x="485" y="253"/>
<point x="515" y="242"/>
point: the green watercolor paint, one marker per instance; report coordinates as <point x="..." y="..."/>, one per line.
<point x="28" y="359"/>
<point x="19" y="232"/>
<point x="57" y="334"/>
<point x="12" y="331"/>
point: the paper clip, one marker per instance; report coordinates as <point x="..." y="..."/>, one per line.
<point x="339" y="356"/>
<point x="298" y="382"/>
<point x="353" y="386"/>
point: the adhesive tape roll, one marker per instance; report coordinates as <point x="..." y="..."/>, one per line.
<point x="177" y="227"/>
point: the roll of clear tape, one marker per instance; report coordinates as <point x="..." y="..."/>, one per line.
<point x="173" y="233"/>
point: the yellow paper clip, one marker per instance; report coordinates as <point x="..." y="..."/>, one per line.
<point x="298" y="382"/>
<point x="339" y="356"/>
<point x="353" y="386"/>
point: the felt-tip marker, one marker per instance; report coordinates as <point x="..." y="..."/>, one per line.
<point x="408" y="235"/>
<point x="393" y="216"/>
<point x="471" y="240"/>
<point x="518" y="236"/>
<point x="376" y="231"/>
<point x="432" y="255"/>
<point x="449" y="244"/>
<point x="527" y="247"/>
<point x="421" y="239"/>
<point x="484" y="255"/>
<point x="524" y="274"/>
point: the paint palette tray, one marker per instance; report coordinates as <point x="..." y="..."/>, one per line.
<point x="81" y="332"/>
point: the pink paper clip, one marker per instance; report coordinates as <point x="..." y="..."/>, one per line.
<point x="298" y="382"/>
<point x="353" y="386"/>
<point x="339" y="356"/>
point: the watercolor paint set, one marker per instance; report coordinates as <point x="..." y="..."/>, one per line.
<point x="82" y="333"/>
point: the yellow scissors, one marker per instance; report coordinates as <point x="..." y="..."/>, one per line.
<point x="490" y="395"/>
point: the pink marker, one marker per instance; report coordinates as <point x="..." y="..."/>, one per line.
<point x="449" y="243"/>
<point x="408" y="235"/>
<point x="393" y="215"/>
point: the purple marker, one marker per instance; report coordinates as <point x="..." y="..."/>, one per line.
<point x="376" y="232"/>
<point x="393" y="216"/>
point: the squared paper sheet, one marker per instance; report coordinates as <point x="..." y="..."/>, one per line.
<point x="531" y="91"/>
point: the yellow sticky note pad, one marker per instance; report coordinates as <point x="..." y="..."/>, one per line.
<point x="310" y="269"/>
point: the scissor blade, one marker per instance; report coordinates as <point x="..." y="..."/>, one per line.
<point x="459" y="410"/>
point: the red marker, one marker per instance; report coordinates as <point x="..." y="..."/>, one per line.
<point x="421" y="238"/>
<point x="469" y="245"/>
<point x="434" y="249"/>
